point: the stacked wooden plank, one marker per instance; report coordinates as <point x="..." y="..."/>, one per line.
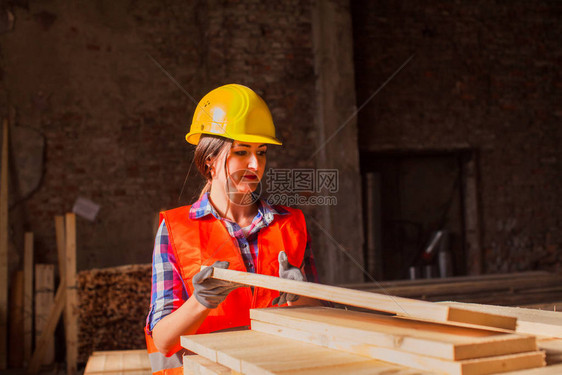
<point x="320" y="340"/>
<point x="113" y="305"/>
<point x="513" y="289"/>
<point x="317" y="338"/>
<point x="118" y="362"/>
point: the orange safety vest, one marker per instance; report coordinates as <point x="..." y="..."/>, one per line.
<point x="203" y="241"/>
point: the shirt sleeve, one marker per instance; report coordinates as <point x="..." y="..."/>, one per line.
<point x="168" y="289"/>
<point x="308" y="267"/>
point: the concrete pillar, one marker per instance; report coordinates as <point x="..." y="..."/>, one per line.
<point x="340" y="246"/>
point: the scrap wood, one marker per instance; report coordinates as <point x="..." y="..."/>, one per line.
<point x="113" y="304"/>
<point x="406" y="307"/>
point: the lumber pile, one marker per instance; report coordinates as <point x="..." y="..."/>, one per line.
<point x="321" y="340"/>
<point x="113" y="305"/>
<point x="513" y="289"/>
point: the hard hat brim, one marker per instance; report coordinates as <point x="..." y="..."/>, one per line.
<point x="193" y="138"/>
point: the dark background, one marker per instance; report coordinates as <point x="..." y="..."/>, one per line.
<point x="466" y="137"/>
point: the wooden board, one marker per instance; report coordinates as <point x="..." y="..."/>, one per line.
<point x="71" y="307"/>
<point x="60" y="237"/>
<point x="28" y="296"/>
<point x="436" y="340"/>
<point x="471" y="286"/>
<point x="4" y="249"/>
<point x="447" y="280"/>
<point x="61" y="250"/>
<point x="44" y="298"/>
<point x="198" y="365"/>
<point x="250" y="352"/>
<point x="15" y="354"/>
<point x="129" y="362"/>
<point x="485" y="365"/>
<point x="530" y="321"/>
<point x="48" y="329"/>
<point x="397" y="305"/>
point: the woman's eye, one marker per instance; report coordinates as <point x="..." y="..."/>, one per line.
<point x="240" y="153"/>
<point x="262" y="153"/>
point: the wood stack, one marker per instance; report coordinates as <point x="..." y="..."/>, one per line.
<point x="320" y="340"/>
<point x="317" y="338"/>
<point x="130" y="362"/>
<point x="113" y="305"/>
<point x="513" y="289"/>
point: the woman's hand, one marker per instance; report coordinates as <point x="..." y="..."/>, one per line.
<point x="211" y="292"/>
<point x="208" y="294"/>
<point x="287" y="271"/>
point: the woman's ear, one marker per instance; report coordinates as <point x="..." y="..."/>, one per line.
<point x="210" y="163"/>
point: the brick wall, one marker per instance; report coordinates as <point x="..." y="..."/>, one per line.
<point x="114" y="122"/>
<point x="485" y="76"/>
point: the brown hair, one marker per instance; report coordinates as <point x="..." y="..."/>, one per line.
<point x="208" y="148"/>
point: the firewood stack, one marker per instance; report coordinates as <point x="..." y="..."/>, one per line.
<point x="114" y="303"/>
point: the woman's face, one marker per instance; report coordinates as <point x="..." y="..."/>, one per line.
<point x="245" y="166"/>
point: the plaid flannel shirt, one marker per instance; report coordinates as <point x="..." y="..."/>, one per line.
<point x="168" y="289"/>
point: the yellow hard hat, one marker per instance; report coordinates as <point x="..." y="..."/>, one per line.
<point x="233" y="111"/>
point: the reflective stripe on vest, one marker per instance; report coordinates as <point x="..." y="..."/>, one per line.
<point x="203" y="241"/>
<point x="160" y="362"/>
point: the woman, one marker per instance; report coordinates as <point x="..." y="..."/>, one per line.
<point x="228" y="227"/>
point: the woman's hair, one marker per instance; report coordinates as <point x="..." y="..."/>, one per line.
<point x="208" y="148"/>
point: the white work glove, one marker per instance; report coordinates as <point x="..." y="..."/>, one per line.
<point x="287" y="271"/>
<point x="211" y="292"/>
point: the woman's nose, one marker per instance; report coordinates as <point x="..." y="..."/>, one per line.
<point x="253" y="162"/>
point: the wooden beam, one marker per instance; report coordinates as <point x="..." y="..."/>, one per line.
<point x="44" y="296"/>
<point x="4" y="249"/>
<point x="28" y="296"/>
<point x="406" y="307"/>
<point x="530" y="321"/>
<point x="71" y="307"/>
<point x="436" y="340"/>
<point x="49" y="329"/>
